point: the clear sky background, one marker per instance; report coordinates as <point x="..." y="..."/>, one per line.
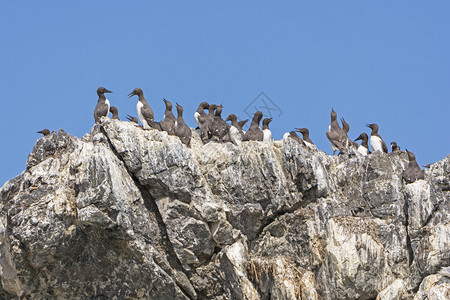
<point x="385" y="62"/>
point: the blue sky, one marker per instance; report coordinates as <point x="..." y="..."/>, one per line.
<point x="373" y="62"/>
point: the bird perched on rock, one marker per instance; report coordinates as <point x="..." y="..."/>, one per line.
<point x="144" y="111"/>
<point x="364" y="148"/>
<point x="102" y="107"/>
<point x="200" y="115"/>
<point x="307" y="141"/>
<point x="168" y="124"/>
<point x="132" y="119"/>
<point x="376" y="141"/>
<point x="236" y="133"/>
<point x="346" y="128"/>
<point x="241" y="124"/>
<point x="254" y="132"/>
<point x="335" y="134"/>
<point x="394" y="147"/>
<point x="412" y="171"/>
<point x="267" y="134"/>
<point x="293" y="135"/>
<point x="181" y="129"/>
<point x="44" y="132"/>
<point x="205" y="123"/>
<point x="115" y="113"/>
<point x="218" y="127"/>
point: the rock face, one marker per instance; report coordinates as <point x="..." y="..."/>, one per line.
<point x="132" y="213"/>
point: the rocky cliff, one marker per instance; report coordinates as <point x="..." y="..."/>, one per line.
<point x="130" y="213"/>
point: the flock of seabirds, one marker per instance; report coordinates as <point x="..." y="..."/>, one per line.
<point x="212" y="126"/>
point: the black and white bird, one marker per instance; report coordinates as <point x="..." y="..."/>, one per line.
<point x="168" y="124"/>
<point x="241" y="125"/>
<point x="218" y="127"/>
<point x="308" y="142"/>
<point x="335" y="134"/>
<point x="115" y="113"/>
<point x="44" y="132"/>
<point x="267" y="134"/>
<point x="346" y="129"/>
<point x="293" y="135"/>
<point x="376" y="141"/>
<point x="254" y="132"/>
<point x="412" y="171"/>
<point x="144" y="111"/>
<point x="102" y="107"/>
<point x="200" y="115"/>
<point x="236" y="133"/>
<point x="394" y="147"/>
<point x="364" y="148"/>
<point x="181" y="129"/>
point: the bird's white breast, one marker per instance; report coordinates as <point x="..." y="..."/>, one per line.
<point x="107" y="103"/>
<point x="375" y="142"/>
<point x="235" y="136"/>
<point x="196" y="115"/>
<point x="267" y="137"/>
<point x="363" y="150"/>
<point x="309" y="145"/>
<point x="139" y="106"/>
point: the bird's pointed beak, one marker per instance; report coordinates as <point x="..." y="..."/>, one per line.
<point x="107" y="91"/>
<point x="131" y="94"/>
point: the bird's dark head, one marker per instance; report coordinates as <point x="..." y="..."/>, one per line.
<point x="373" y="126"/>
<point x="203" y="105"/>
<point x="136" y="91"/>
<point x="242" y="123"/>
<point x="266" y="121"/>
<point x="179" y="109"/>
<point x="219" y="110"/>
<point x="212" y="108"/>
<point x="168" y="104"/>
<point x="258" y="116"/>
<point x="303" y="130"/>
<point x="362" y="136"/>
<point x="393" y="144"/>
<point x="345" y="125"/>
<point x="45" y="132"/>
<point x="231" y="117"/>
<point x="102" y="90"/>
<point x="333" y="115"/>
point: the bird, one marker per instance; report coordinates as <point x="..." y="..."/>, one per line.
<point x="115" y="112"/>
<point x="132" y="119"/>
<point x="254" y="132"/>
<point x="412" y="171"/>
<point x="218" y="127"/>
<point x="376" y="141"/>
<point x="181" y="129"/>
<point x="200" y="115"/>
<point x="306" y="139"/>
<point x="364" y="148"/>
<point x="168" y="124"/>
<point x="44" y="132"/>
<point x="236" y="133"/>
<point x="267" y="134"/>
<point x="241" y="124"/>
<point x="102" y="107"/>
<point x="145" y="113"/>
<point x="335" y="134"/>
<point x="205" y="122"/>
<point x="394" y="147"/>
<point x="293" y="135"/>
<point x="346" y="129"/>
